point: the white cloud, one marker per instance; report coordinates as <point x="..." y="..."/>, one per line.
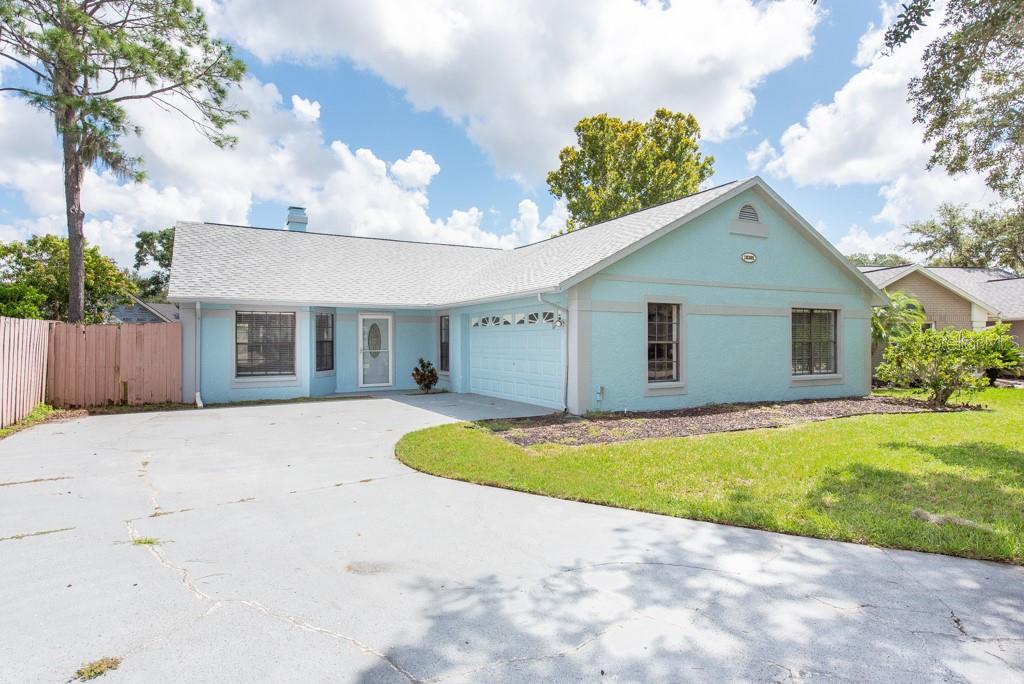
<point x="859" y="240"/>
<point x="519" y="75"/>
<point x="305" y="110"/>
<point x="761" y="155"/>
<point x="280" y="158"/>
<point x="416" y="170"/>
<point x="866" y="135"/>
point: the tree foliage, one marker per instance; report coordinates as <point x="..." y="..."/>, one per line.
<point x="970" y="97"/>
<point x="903" y="316"/>
<point x="970" y="239"/>
<point x="41" y="264"/>
<point x="83" y="62"/>
<point x="154" y="247"/>
<point x="876" y="259"/>
<point x="18" y="300"/>
<point x="944" y="362"/>
<point x="621" y="166"/>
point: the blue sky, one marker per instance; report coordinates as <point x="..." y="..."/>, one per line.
<point x="365" y="111"/>
<point x="437" y="121"/>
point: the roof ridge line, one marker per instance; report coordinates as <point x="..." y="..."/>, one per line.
<point x="635" y="211"/>
<point x="342" y="235"/>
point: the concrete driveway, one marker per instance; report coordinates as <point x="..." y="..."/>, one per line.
<point x="294" y="547"/>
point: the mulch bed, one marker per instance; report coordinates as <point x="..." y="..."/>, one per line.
<point x="602" y="428"/>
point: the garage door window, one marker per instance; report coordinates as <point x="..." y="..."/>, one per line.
<point x="662" y="343"/>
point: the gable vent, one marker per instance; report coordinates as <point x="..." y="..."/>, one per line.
<point x="749" y="213"/>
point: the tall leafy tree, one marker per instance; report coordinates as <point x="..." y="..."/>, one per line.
<point x="970" y="97"/>
<point x="20" y="301"/>
<point x="85" y="60"/>
<point x="876" y="259"/>
<point x="620" y="166"/>
<point x="970" y="239"/>
<point x="41" y="265"/>
<point x="154" y="247"/>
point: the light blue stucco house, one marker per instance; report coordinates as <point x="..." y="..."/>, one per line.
<point x="727" y="295"/>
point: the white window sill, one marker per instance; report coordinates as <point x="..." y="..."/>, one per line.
<point x="265" y="381"/>
<point x="821" y="379"/>
<point x="325" y="373"/>
<point x="664" y="389"/>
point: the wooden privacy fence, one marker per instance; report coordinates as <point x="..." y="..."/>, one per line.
<point x="22" y="367"/>
<point x="91" y="365"/>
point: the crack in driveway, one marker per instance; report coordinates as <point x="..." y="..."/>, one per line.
<point x="186" y="580"/>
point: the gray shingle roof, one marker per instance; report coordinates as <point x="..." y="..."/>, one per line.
<point x="880" y="275"/>
<point x="1001" y="290"/>
<point x="215" y="262"/>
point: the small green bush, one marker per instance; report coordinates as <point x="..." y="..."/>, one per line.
<point x="1012" y="357"/>
<point x="945" y="362"/>
<point x="425" y="375"/>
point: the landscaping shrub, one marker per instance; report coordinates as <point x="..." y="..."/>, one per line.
<point x="425" y="375"/>
<point x="903" y="315"/>
<point x="1012" y="356"/>
<point x="945" y="362"/>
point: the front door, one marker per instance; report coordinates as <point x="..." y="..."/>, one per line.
<point x="375" y="350"/>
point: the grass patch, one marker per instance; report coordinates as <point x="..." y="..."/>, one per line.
<point x="41" y="413"/>
<point x="145" y="541"/>
<point x="857" y="479"/>
<point x="97" y="668"/>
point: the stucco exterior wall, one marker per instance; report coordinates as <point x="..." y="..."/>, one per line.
<point x="944" y="308"/>
<point x="1017" y="330"/>
<point x="415" y="335"/>
<point x="736" y="317"/>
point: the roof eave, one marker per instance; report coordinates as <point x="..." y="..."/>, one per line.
<point x="926" y="272"/>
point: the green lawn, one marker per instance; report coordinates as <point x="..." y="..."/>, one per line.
<point x="855" y="479"/>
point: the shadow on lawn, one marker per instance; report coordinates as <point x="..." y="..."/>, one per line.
<point x="998" y="460"/>
<point x="869" y="502"/>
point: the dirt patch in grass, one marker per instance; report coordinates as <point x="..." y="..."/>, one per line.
<point x="619" y="427"/>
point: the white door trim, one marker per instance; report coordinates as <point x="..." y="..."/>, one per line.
<point x="391" y="348"/>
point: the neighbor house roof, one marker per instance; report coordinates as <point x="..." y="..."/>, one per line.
<point x="216" y="262"/>
<point x="139" y="311"/>
<point x="998" y="291"/>
<point x="1002" y="289"/>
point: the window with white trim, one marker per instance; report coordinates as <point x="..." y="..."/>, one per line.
<point x="444" y="339"/>
<point x="662" y="342"/>
<point x="814" y="342"/>
<point x="264" y="343"/>
<point x="324" y="342"/>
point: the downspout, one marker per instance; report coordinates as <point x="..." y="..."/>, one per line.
<point x="565" y="366"/>
<point x="197" y="351"/>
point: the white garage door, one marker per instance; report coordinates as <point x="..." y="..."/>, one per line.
<point x="517" y="355"/>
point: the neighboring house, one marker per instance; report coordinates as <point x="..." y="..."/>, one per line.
<point x="726" y="295"/>
<point x="138" y="311"/>
<point x="967" y="298"/>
